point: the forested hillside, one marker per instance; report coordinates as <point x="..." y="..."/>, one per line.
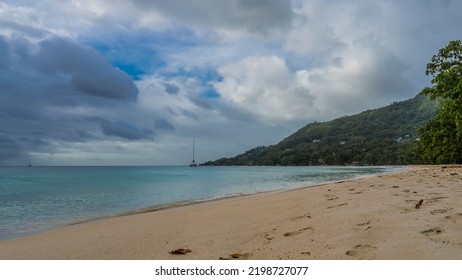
<point x="382" y="136"/>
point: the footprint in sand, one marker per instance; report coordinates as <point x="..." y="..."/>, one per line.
<point x="432" y="231"/>
<point x="437" y="234"/>
<point x="435" y="193"/>
<point x="306" y="216"/>
<point x="293" y="233"/>
<point x="342" y="204"/>
<point x="436" y="199"/>
<point x="363" y="226"/>
<point x="331" y="196"/>
<point x="360" y="250"/>
<point x="455" y="217"/>
<point x="439" y="211"/>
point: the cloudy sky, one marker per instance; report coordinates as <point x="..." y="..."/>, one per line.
<point x="107" y="82"/>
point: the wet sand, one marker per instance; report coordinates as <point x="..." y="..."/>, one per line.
<point x="369" y="218"/>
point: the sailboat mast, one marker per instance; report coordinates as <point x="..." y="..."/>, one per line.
<point x="193" y="151"/>
<point x="193" y="162"/>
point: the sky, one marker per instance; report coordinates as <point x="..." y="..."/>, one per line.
<point x="133" y="82"/>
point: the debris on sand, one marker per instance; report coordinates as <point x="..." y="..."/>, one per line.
<point x="417" y="206"/>
<point x="180" y="252"/>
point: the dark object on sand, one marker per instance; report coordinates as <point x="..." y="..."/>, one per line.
<point x="417" y="206"/>
<point x="237" y="256"/>
<point x="180" y="252"/>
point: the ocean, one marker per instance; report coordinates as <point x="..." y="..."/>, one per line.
<point x="39" y="199"/>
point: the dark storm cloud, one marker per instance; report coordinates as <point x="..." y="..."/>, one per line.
<point x="201" y="101"/>
<point x="171" y="88"/>
<point x="3" y="115"/>
<point x="116" y="85"/>
<point x="83" y="135"/>
<point x="164" y="125"/>
<point x="33" y="140"/>
<point x="123" y="129"/>
<point x="4" y="54"/>
<point x="261" y="15"/>
<point x="56" y="72"/>
<point x="69" y="135"/>
<point x="90" y="73"/>
<point x="9" y="148"/>
<point x="23" y="29"/>
<point x="41" y="86"/>
<point x="189" y="114"/>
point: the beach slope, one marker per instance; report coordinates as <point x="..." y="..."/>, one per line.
<point x="415" y="214"/>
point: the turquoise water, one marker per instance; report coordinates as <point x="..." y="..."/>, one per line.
<point x="37" y="199"/>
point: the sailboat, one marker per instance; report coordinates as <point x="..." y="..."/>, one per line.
<point x="193" y="162"/>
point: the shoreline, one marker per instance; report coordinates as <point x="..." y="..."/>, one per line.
<point x="154" y="208"/>
<point x="232" y="196"/>
<point x="259" y="226"/>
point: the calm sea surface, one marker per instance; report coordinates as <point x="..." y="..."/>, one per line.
<point x="37" y="199"/>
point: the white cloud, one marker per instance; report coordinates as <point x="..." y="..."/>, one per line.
<point x="313" y="34"/>
<point x="364" y="79"/>
<point x="266" y="88"/>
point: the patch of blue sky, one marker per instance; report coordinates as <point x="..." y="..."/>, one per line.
<point x="205" y="77"/>
<point x="203" y="74"/>
<point x="132" y="58"/>
<point x="142" y="52"/>
<point x="138" y="59"/>
<point x="210" y="93"/>
<point x="133" y="70"/>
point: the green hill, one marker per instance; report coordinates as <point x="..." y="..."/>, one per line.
<point x="383" y="136"/>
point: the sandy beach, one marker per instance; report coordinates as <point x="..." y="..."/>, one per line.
<point x="368" y="218"/>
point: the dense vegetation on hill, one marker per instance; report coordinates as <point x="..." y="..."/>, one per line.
<point x="441" y="137"/>
<point x="382" y="136"/>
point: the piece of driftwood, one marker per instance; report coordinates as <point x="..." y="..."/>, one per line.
<point x="180" y="252"/>
<point x="237" y="256"/>
<point x="417" y="206"/>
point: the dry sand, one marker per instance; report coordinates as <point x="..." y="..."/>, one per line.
<point x="368" y="218"/>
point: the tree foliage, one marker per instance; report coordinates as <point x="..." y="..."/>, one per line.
<point x="441" y="137"/>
